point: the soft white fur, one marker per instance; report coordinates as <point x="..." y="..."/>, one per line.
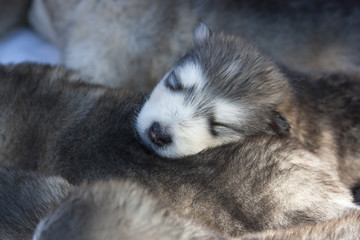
<point x="189" y="130"/>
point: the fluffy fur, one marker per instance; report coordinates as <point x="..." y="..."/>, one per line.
<point x="225" y="90"/>
<point x="25" y="198"/>
<point x="133" y="43"/>
<point x="346" y="226"/>
<point x="117" y="209"/>
<point x="84" y="132"/>
<point x="222" y="91"/>
<point x="121" y="209"/>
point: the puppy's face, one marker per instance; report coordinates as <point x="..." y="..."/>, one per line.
<point x="220" y="92"/>
<point x="181" y="118"/>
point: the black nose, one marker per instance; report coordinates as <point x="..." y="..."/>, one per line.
<point x="159" y="136"/>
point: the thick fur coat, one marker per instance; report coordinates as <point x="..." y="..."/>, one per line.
<point x="225" y="89"/>
<point x="118" y="208"/>
<point x="84" y="132"/>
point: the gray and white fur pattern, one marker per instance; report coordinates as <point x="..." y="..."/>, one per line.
<point x="222" y="91"/>
<point x="226" y="90"/>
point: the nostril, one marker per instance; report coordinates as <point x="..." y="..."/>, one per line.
<point x="155" y="127"/>
<point x="165" y="139"/>
<point x="159" y="136"/>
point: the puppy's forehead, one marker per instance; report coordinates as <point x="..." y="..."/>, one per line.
<point x="190" y="74"/>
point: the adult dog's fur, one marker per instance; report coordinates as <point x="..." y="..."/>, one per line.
<point x="84" y="132"/>
<point x="133" y="43"/>
<point x="25" y="198"/>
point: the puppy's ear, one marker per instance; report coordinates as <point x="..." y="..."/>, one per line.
<point x="201" y="33"/>
<point x="278" y="125"/>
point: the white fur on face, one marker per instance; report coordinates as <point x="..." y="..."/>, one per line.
<point x="189" y="130"/>
<point x="191" y="75"/>
<point x="228" y="113"/>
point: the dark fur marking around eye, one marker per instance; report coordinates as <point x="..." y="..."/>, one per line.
<point x="212" y="125"/>
<point x="173" y="83"/>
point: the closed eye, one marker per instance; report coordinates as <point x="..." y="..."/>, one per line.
<point x="214" y="125"/>
<point x="216" y="128"/>
<point x="173" y="83"/>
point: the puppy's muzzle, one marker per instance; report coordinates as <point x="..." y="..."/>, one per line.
<point x="158" y="135"/>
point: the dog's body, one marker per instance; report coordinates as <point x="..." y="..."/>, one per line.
<point x="25" y="198"/>
<point x="121" y="209"/>
<point x="117" y="210"/>
<point x="133" y="43"/>
<point x="225" y="90"/>
<point x="83" y="132"/>
<point x="113" y="209"/>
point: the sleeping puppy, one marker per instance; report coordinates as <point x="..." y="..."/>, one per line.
<point x="117" y="43"/>
<point x="225" y="90"/>
<point x="83" y="132"/>
<point x="25" y="198"/>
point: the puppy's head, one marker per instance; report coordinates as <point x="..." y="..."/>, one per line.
<point x="221" y="91"/>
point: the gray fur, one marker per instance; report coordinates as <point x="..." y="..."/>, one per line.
<point x="117" y="210"/>
<point x="133" y="43"/>
<point x="201" y="33"/>
<point x="25" y="198"/>
<point x="346" y="226"/>
<point x="84" y="132"/>
<point x="321" y="110"/>
<point x="124" y="210"/>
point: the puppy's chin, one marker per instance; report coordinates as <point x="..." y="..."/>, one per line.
<point x="168" y="152"/>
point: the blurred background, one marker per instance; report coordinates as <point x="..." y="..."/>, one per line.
<point x="18" y="43"/>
